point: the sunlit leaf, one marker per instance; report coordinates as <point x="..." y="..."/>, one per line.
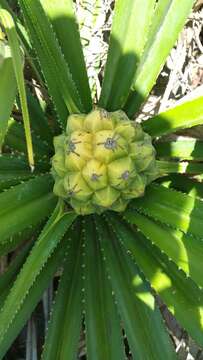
<point x="182" y="116"/>
<point x="142" y="321"/>
<point x="125" y="49"/>
<point x="169" y="14"/>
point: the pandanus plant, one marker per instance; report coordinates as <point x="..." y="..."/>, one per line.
<point x="116" y="209"/>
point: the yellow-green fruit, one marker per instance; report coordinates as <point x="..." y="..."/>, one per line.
<point x="102" y="161"/>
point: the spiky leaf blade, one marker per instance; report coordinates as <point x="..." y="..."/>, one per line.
<point x="185" y="167"/>
<point x="184" y="149"/>
<point x="125" y="49"/>
<point x="142" y="321"/>
<point x="185" y="251"/>
<point x="182" y="116"/>
<point x="67" y="310"/>
<point x="9" y="275"/>
<point x="25" y="205"/>
<point x="55" y="69"/>
<point x="35" y="293"/>
<point x="18" y="239"/>
<point x="183" y="298"/>
<point x="15" y="169"/>
<point x="8" y="89"/>
<point x="38" y="119"/>
<point x="62" y="17"/>
<point x="103" y="328"/>
<point x="173" y="208"/>
<point x="169" y="14"/>
<point x="18" y="64"/>
<point x="15" y="140"/>
<point x="40" y="253"/>
<point x="182" y="183"/>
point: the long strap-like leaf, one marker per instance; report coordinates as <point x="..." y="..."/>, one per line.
<point x="62" y="17"/>
<point x="47" y="242"/>
<point x="169" y="18"/>
<point x="131" y="24"/>
<point x="15" y="140"/>
<point x="103" y="328"/>
<point x="7" y="278"/>
<point x="23" y="39"/>
<point x="7" y="21"/>
<point x="173" y="208"/>
<point x="15" y="164"/>
<point x="183" y="149"/>
<point x="185" y="251"/>
<point x="180" y="294"/>
<point x="35" y="293"/>
<point x="8" y="89"/>
<point x="67" y="310"/>
<point x="13" y="170"/>
<point x="182" y="183"/>
<point x="24" y="193"/>
<point x="182" y="116"/>
<point x="25" y="205"/>
<point x="142" y="321"/>
<point x="184" y="167"/>
<point x="20" y="238"/>
<point x="56" y="71"/>
<point x="38" y="119"/>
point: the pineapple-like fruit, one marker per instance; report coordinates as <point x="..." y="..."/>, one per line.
<point x="102" y="161"/>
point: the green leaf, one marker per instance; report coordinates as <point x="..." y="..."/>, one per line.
<point x="35" y="293"/>
<point x="180" y="117"/>
<point x="18" y="239"/>
<point x="185" y="251"/>
<point x="7" y="21"/>
<point x="38" y="119"/>
<point x="173" y="208"/>
<point x="103" y="329"/>
<point x="12" y="163"/>
<point x="179" y="293"/>
<point x="53" y="64"/>
<point x="183" y="183"/>
<point x="25" y="193"/>
<point x="125" y="49"/>
<point x="42" y="250"/>
<point x="9" y="275"/>
<point x="14" y="169"/>
<point x="143" y="324"/>
<point x="24" y="39"/>
<point x="184" y="167"/>
<point x="169" y="14"/>
<point x="8" y="89"/>
<point x="15" y="140"/>
<point x="25" y="205"/>
<point x="67" y="311"/>
<point x="62" y="17"/>
<point x="187" y="149"/>
<point x="8" y="179"/>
